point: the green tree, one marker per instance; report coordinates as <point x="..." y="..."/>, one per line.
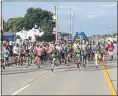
<point x="13" y="24"/>
<point x="19" y="24"/>
<point x="42" y="18"/>
<point x="33" y="16"/>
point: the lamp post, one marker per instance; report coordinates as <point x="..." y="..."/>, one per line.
<point x="56" y="20"/>
<point x="71" y="21"/>
<point x="2" y="30"/>
<point x="71" y="24"/>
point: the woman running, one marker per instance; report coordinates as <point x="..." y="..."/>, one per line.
<point x="35" y="54"/>
<point x="16" y="52"/>
<point x="27" y="56"/>
<point x="6" y="55"/>
<point x="97" y="58"/>
<point x="22" y="54"/>
<point x="68" y="56"/>
<point x="78" y="57"/>
<point x="54" y="57"/>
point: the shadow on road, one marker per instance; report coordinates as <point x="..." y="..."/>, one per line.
<point x="90" y="67"/>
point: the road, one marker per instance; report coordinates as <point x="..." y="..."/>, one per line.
<point x="19" y="80"/>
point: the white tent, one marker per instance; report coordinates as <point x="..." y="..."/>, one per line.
<point x="31" y="33"/>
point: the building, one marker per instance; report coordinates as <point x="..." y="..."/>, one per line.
<point x="9" y="36"/>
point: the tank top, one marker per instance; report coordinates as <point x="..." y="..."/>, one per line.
<point x="54" y="54"/>
<point x="40" y="51"/>
<point x="27" y="51"/>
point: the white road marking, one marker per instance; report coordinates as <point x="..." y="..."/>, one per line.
<point x="21" y="89"/>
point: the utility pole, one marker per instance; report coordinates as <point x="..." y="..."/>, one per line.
<point x="70" y="23"/>
<point x="56" y="14"/>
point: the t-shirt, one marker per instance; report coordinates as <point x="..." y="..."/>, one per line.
<point x="110" y="47"/>
<point x="16" y="50"/>
<point x="35" y="51"/>
<point x="94" y="48"/>
<point x="78" y="53"/>
<point x="84" y="48"/>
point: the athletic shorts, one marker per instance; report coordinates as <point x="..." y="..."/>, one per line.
<point x="110" y="53"/>
<point x="27" y="55"/>
<point x="88" y="54"/>
<point x="15" y="54"/>
<point x="6" y="58"/>
<point x="34" y="55"/>
<point x="22" y="55"/>
<point x="84" y="56"/>
<point x="41" y="57"/>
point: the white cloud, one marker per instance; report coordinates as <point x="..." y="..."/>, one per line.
<point x="109" y="5"/>
<point x="92" y="16"/>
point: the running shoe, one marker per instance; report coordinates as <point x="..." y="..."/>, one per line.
<point x="52" y="70"/>
<point x="38" y="66"/>
<point x="78" y="69"/>
<point x="3" y="67"/>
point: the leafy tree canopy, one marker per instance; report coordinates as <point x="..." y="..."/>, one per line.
<point x="33" y="16"/>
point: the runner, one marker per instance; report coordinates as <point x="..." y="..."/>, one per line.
<point x="110" y="50"/>
<point x="59" y="48"/>
<point x="16" y="52"/>
<point x="27" y="54"/>
<point x="6" y="55"/>
<point x="78" y="57"/>
<point x="84" y="53"/>
<point x="22" y="55"/>
<point x="97" y="58"/>
<point x="40" y="55"/>
<point x="68" y="55"/>
<point x="35" y="54"/>
<point x="54" y="57"/>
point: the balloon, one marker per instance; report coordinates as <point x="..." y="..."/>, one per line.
<point x="36" y="36"/>
<point x="41" y="34"/>
<point x="74" y="46"/>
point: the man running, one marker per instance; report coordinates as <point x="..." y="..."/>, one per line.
<point x="16" y="52"/>
<point x="110" y="50"/>
<point x="78" y="57"/>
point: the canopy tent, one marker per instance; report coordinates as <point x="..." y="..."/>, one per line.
<point x="33" y="34"/>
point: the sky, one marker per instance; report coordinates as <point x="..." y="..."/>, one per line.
<point x="92" y="17"/>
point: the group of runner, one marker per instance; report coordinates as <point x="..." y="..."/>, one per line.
<point x="55" y="54"/>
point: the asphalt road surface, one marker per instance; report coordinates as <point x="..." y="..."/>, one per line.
<point x="19" y="80"/>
